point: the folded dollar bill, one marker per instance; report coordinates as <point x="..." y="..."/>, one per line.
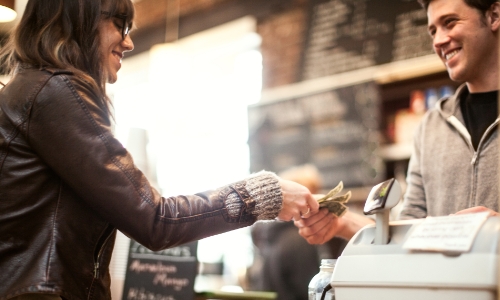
<point x="335" y="203"/>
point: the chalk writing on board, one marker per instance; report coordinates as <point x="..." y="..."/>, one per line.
<point x="345" y="35"/>
<point x="336" y="130"/>
<point x="167" y="275"/>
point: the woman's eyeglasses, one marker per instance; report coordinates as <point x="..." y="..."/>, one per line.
<point x="124" y="26"/>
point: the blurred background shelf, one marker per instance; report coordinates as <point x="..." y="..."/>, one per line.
<point x="395" y="152"/>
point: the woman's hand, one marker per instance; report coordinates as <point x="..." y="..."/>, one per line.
<point x="298" y="201"/>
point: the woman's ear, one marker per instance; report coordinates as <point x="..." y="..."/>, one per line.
<point x="493" y="16"/>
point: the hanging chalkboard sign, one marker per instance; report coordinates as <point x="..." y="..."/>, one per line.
<point x="336" y="130"/>
<point x="345" y="35"/>
<point x="162" y="275"/>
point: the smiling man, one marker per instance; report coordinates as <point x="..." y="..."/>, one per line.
<point x="454" y="163"/>
<point x="465" y="38"/>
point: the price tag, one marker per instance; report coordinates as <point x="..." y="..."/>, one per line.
<point x="454" y="233"/>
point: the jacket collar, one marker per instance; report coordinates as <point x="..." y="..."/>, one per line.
<point x="450" y="106"/>
<point x="449" y="109"/>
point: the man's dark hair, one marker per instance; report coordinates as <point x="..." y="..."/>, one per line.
<point x="481" y="5"/>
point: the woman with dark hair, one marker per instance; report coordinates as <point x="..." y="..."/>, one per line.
<point x="67" y="185"/>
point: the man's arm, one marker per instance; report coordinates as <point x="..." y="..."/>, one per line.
<point x="324" y="226"/>
<point x="415" y="204"/>
<point x="477" y="209"/>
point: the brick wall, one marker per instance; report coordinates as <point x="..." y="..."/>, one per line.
<point x="283" y="35"/>
<point x="282" y="28"/>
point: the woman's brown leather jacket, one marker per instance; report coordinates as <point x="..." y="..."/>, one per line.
<point x="66" y="185"/>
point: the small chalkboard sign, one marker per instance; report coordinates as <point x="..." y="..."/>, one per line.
<point x="160" y="275"/>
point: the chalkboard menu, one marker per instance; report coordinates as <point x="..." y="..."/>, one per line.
<point x="336" y="130"/>
<point x="162" y="275"/>
<point x="345" y="35"/>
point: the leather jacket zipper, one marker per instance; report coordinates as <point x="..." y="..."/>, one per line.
<point x="103" y="240"/>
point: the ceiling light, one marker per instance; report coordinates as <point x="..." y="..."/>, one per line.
<point x="7" y="12"/>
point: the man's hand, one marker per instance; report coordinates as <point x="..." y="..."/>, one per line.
<point x="323" y="226"/>
<point x="319" y="228"/>
<point x="477" y="209"/>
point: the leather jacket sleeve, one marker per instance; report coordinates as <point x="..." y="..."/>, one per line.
<point x="72" y="135"/>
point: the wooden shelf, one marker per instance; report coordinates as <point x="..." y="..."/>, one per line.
<point x="393" y="72"/>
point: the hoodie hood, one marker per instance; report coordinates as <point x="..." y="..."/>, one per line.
<point x="450" y="106"/>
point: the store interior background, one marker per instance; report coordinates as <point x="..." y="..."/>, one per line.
<point x="183" y="98"/>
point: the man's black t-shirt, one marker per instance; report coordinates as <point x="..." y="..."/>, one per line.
<point x="480" y="110"/>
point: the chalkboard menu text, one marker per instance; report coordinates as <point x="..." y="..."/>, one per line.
<point x="160" y="275"/>
<point x="336" y="130"/>
<point x="345" y="35"/>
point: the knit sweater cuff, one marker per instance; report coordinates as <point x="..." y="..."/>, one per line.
<point x="264" y="189"/>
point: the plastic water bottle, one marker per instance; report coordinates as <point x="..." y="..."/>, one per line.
<point x="321" y="281"/>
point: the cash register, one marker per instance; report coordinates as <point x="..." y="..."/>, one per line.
<point x="438" y="258"/>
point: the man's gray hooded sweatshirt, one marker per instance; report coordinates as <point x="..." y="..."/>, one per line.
<point x="445" y="173"/>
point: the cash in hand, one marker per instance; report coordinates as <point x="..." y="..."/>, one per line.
<point x="335" y="203"/>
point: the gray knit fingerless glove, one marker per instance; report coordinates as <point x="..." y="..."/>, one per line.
<point x="264" y="189"/>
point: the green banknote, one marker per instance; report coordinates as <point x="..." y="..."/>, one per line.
<point x="334" y="202"/>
